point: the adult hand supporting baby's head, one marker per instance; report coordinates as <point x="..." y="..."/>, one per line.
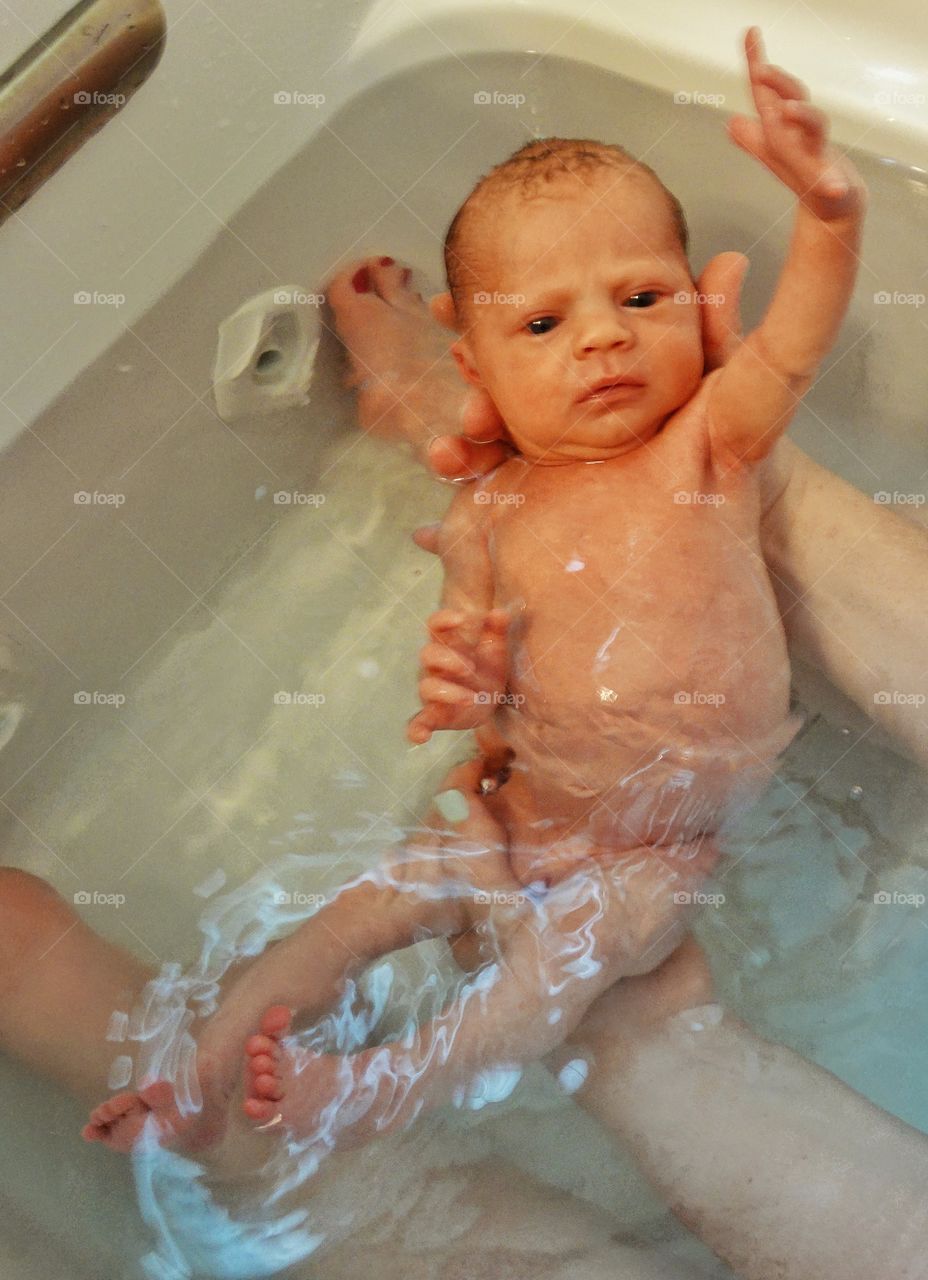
<point x="484" y="441"/>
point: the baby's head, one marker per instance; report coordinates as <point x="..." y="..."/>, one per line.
<point x="565" y="266"/>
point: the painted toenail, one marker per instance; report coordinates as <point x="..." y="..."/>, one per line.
<point x="386" y="262"/>
<point x="361" y="280"/>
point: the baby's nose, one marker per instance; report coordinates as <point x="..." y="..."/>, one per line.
<point x="603" y="328"/>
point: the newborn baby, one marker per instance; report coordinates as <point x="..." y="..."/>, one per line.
<point x="639" y="694"/>
<point x="645" y="695"/>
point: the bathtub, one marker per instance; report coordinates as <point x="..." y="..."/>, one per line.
<point x="148" y="635"/>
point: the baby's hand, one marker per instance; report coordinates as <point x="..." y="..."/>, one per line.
<point x="464" y="668"/>
<point x="790" y="138"/>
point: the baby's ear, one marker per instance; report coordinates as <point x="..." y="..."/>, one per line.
<point x="464" y="359"/>
<point x="442" y="309"/>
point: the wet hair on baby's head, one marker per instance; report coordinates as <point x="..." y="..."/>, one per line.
<point x="532" y="169"/>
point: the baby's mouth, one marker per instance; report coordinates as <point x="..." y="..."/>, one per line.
<point x="617" y="389"/>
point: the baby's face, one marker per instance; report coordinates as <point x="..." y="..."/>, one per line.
<point x="582" y="286"/>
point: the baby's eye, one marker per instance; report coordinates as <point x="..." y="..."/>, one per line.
<point x="548" y="321"/>
<point x="645" y="299"/>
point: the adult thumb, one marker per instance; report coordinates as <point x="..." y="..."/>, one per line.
<point x="720" y="284"/>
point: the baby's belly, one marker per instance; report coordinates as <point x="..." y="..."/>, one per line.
<point x="652" y="733"/>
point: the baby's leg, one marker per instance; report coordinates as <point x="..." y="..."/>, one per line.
<point x="426" y="890"/>
<point x="59" y="983"/>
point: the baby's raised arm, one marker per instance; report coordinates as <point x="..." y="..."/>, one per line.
<point x="758" y="391"/>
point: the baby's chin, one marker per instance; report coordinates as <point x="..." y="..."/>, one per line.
<point x="591" y="443"/>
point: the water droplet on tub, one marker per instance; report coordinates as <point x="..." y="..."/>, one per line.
<point x="856" y="792"/>
<point x="368" y="668"/>
<point x="260" y="491"/>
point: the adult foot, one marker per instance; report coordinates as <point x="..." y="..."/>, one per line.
<point x="400" y="362"/>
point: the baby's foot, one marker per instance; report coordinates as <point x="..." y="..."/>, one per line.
<point x="400" y="363"/>
<point x="343" y="1100"/>
<point x="118" y="1122"/>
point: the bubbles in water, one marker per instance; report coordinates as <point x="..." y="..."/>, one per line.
<point x="120" y="1073"/>
<point x="118" y="1025"/>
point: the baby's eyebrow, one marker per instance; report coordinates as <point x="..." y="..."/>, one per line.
<point x="633" y="273"/>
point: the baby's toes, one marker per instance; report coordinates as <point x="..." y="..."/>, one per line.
<point x="263" y="1054"/>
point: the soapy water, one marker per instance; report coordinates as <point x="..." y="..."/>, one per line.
<point x="417" y="1003"/>
<point x="195" y="1235"/>
<point x="419" y="1015"/>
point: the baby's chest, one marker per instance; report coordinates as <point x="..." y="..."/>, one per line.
<point x="673" y="542"/>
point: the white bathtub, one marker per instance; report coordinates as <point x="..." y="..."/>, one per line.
<point x="197" y="600"/>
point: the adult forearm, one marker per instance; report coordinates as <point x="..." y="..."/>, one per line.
<point x="851" y="577"/>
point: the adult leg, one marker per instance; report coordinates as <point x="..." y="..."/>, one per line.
<point x="496" y="1223"/>
<point x="59" y="984"/>
<point x="843" y="567"/>
<point x="780" y="1168"/>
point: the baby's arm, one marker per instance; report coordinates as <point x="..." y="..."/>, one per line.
<point x="758" y="391"/>
<point x="464" y="664"/>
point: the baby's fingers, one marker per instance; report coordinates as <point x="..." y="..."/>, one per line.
<point x="787" y="86"/>
<point x="455" y="628"/>
<point x="812" y="121"/>
<point x="442" y="660"/>
<point x="433" y="689"/>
